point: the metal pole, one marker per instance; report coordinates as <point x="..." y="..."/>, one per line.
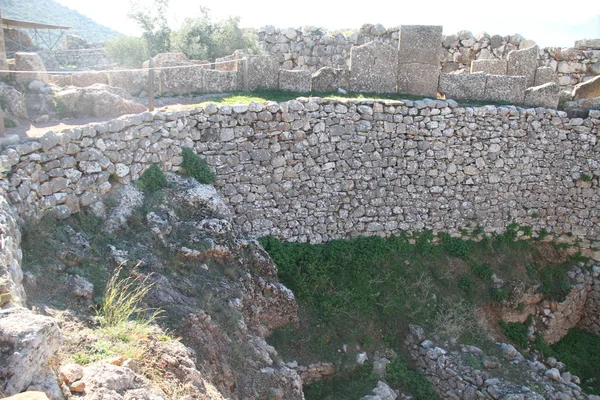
<point x="151" y="85"/>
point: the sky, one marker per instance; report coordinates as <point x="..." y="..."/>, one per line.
<point x="547" y="24"/>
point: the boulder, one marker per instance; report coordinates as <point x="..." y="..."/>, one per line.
<point x="546" y="95"/>
<point x="587" y="90"/>
<point x="163" y="58"/>
<point x="97" y="100"/>
<point x="29" y="62"/>
<point x="75" y="42"/>
<point x="28" y="341"/>
<point x="295" y="81"/>
<point x="329" y="79"/>
<point x="14" y="101"/>
<point x="30" y="395"/>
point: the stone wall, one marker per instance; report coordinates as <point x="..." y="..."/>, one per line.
<point x="11" y="276"/>
<point x="320" y="169"/>
<point x="313" y="48"/>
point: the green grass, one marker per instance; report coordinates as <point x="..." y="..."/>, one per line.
<point x="580" y="351"/>
<point x="347" y="385"/>
<point x="399" y="375"/>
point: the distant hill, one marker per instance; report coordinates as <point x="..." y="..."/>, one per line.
<point x="51" y="12"/>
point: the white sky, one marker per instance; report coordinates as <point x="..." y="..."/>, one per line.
<point x="548" y="22"/>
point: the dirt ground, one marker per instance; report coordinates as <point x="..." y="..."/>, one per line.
<point x="30" y="129"/>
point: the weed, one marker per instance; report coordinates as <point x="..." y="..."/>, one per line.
<point x="9" y="122"/>
<point x="153" y="179"/>
<point x="414" y="381"/>
<point x="516" y="332"/>
<point x="554" y="281"/>
<point x="196" y="167"/>
<point x="580" y="351"/>
<point x="346" y="385"/>
<point x="122" y="300"/>
<point x="482" y="270"/>
<point x="454" y="319"/>
<point x="585" y="177"/>
<point x="473" y="361"/>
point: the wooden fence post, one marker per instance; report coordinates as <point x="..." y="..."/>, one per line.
<point x="245" y="67"/>
<point x="151" y="85"/>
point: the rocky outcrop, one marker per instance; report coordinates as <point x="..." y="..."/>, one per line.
<point x="97" y="100"/>
<point x="11" y="275"/>
<point x="28" y="341"/>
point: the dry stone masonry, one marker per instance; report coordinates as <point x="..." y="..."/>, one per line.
<point x="319" y="169"/>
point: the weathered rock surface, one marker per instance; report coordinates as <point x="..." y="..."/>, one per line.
<point x="587" y="90"/>
<point x="97" y="100"/>
<point x="546" y="95"/>
<point x="28" y="341"/>
<point x="30" y="62"/>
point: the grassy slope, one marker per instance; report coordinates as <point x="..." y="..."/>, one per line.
<point x="51" y="12"/>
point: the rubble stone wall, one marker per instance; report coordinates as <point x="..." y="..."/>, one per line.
<point x="320" y="169"/>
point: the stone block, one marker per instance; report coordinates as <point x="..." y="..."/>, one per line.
<point x="178" y="81"/>
<point x="220" y="81"/>
<point x="523" y="63"/>
<point x="489" y="66"/>
<point x="372" y="68"/>
<point x="585" y="44"/>
<point x="587" y="90"/>
<point x="463" y="86"/>
<point x="295" y="81"/>
<point x="507" y="89"/>
<point x="545" y="75"/>
<point x="263" y="72"/>
<point x="83" y="79"/>
<point x="418" y="79"/>
<point x="230" y="63"/>
<point x="134" y="82"/>
<point x="329" y="79"/>
<point x="30" y="62"/>
<point x="420" y="44"/>
<point x="546" y="95"/>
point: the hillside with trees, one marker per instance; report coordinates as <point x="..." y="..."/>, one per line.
<point x="51" y="12"/>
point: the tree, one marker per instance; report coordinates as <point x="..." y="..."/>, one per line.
<point x="202" y="39"/>
<point x="151" y="16"/>
<point x="127" y="50"/>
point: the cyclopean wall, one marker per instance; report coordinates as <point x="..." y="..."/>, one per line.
<point x="312" y="48"/>
<point x="319" y="169"/>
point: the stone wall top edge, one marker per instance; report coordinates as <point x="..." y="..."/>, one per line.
<point x="123" y="122"/>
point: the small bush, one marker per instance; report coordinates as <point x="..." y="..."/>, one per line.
<point x="153" y="179"/>
<point x="482" y="271"/>
<point x="414" y="381"/>
<point x="9" y="122"/>
<point x="196" y="167"/>
<point x="517" y="332"/>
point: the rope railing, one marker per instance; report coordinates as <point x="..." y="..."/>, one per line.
<point x="108" y="71"/>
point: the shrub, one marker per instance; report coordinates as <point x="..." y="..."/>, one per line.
<point x="517" y="332"/>
<point x="196" y="167"/>
<point x="399" y="375"/>
<point x="9" y="122"/>
<point x="153" y="179"/>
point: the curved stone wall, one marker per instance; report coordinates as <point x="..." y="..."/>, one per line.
<point x="319" y="169"/>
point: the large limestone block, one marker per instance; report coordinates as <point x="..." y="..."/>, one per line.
<point x="489" y="66"/>
<point x="28" y="341"/>
<point x="420" y="44"/>
<point x="523" y="63"/>
<point x="134" y="82"/>
<point x="372" y="68"/>
<point x="166" y="58"/>
<point x="463" y="86"/>
<point x="587" y="90"/>
<point x="188" y="79"/>
<point x="545" y="75"/>
<point x="220" y="81"/>
<point x="83" y="79"/>
<point x="418" y="79"/>
<point x="30" y="62"/>
<point x="294" y="81"/>
<point x="508" y="89"/>
<point x="329" y="79"/>
<point x="263" y="72"/>
<point x="584" y="44"/>
<point x="546" y="95"/>
<point x="97" y="100"/>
